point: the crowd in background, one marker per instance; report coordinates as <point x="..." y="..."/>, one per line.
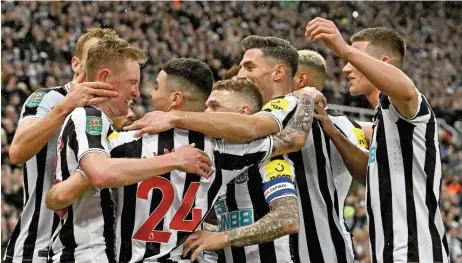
<point x="38" y="40"/>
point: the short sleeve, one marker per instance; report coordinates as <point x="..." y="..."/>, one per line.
<point x="281" y="109"/>
<point x="39" y="104"/>
<point x="278" y="177"/>
<point x="422" y="115"/>
<point x="91" y="131"/>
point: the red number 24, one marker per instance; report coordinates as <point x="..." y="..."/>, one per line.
<point x="146" y="232"/>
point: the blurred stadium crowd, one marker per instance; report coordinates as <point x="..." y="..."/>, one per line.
<point x="38" y="40"/>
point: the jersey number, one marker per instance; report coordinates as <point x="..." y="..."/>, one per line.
<point x="147" y="231"/>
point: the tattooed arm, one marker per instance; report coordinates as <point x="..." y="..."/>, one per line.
<point x="283" y="219"/>
<point x="294" y="135"/>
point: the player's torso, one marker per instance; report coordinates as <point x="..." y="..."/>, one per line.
<point x="320" y="237"/>
<point x="32" y="234"/>
<point x="243" y="204"/>
<point x="155" y="216"/>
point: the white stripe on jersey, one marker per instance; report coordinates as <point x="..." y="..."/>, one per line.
<point x="32" y="234"/>
<point x="403" y="186"/>
<point x="137" y="204"/>
<point x="87" y="228"/>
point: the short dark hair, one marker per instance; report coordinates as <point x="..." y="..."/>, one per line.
<point x="232" y="72"/>
<point x="244" y="87"/>
<point x="385" y="38"/>
<point x="274" y="47"/>
<point x="192" y="72"/>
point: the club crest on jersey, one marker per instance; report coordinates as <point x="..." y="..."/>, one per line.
<point x="94" y="125"/>
<point x="277" y="104"/>
<point x="242" y="178"/>
<point x="35" y="99"/>
<point x="279" y="168"/>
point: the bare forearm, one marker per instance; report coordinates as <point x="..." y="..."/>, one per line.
<point x="283" y="219"/>
<point x="294" y="136"/>
<point x="29" y="140"/>
<point x="225" y="125"/>
<point x="122" y="172"/>
<point x="354" y="158"/>
<point x="63" y="194"/>
<point x="385" y="77"/>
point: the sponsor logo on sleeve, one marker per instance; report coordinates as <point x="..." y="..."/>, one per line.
<point x="277" y="104"/>
<point x="278" y="168"/>
<point x="94" y="125"/>
<point x="360" y="137"/>
<point x="35" y="99"/>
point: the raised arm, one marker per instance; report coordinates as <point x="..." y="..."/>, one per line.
<point x="41" y="117"/>
<point x="384" y="76"/>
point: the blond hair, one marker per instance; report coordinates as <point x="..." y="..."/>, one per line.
<point x="94" y="32"/>
<point x="312" y="59"/>
<point x="111" y="51"/>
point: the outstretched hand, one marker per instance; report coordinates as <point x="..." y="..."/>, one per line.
<point x="192" y="160"/>
<point x="204" y="240"/>
<point x="152" y="123"/>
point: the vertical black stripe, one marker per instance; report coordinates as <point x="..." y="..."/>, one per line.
<point x="61" y="90"/>
<point x="217" y="182"/>
<point x="198" y="139"/>
<point x="66" y="234"/>
<point x="406" y="135"/>
<point x="260" y="208"/>
<point x="336" y="234"/>
<point x="293" y="242"/>
<point x="127" y="222"/>
<point x="385" y="193"/>
<point x="430" y="198"/>
<point x="107" y="206"/>
<point x="29" y="243"/>
<point x="94" y="141"/>
<point x="26" y="183"/>
<point x="312" y="239"/>
<point x="237" y="252"/>
<point x="55" y="224"/>
<point x="165" y="141"/>
<point x="12" y="242"/>
<point x="288" y="117"/>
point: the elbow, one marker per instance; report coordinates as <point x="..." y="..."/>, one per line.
<point x="15" y="155"/>
<point x="299" y="141"/>
<point x="58" y="201"/>
<point x="291" y="226"/>
<point x="410" y="92"/>
<point x="101" y="179"/>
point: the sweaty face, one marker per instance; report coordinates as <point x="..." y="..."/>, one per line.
<point x="223" y="101"/>
<point x="357" y="83"/>
<point x="160" y="94"/>
<point x="256" y="69"/>
<point x="126" y="81"/>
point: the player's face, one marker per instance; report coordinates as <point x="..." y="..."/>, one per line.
<point x="357" y="83"/>
<point x="126" y="82"/>
<point x="160" y="94"/>
<point x="256" y="69"/>
<point x="224" y="101"/>
<point x="120" y="122"/>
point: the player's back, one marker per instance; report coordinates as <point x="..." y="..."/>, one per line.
<point x="154" y="217"/>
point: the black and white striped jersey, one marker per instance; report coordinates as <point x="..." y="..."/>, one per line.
<point x="154" y="217"/>
<point x="403" y="187"/>
<point x="342" y="176"/>
<point x="246" y="199"/>
<point x="32" y="235"/>
<point x="86" y="231"/>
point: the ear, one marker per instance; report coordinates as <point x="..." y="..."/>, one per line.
<point x="303" y="80"/>
<point x="281" y="70"/>
<point x="75" y="65"/>
<point x="244" y="110"/>
<point x="176" y="99"/>
<point x="103" y="75"/>
<point x="386" y="59"/>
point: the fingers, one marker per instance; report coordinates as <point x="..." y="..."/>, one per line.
<point x="205" y="158"/>
<point x="168" y="108"/>
<point x="139" y="124"/>
<point x="101" y="92"/>
<point x="319" y="31"/>
<point x="201" y="173"/>
<point x="318" y="117"/>
<point x="189" y="243"/>
<point x="319" y="109"/>
<point x="142" y="131"/>
<point x="193" y="145"/>
<point x="99" y="85"/>
<point x="196" y="252"/>
<point x="96" y="101"/>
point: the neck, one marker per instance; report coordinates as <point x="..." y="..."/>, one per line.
<point x="373" y="98"/>
<point x="278" y="90"/>
<point x="106" y="109"/>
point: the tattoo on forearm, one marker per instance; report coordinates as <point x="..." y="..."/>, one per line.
<point x="211" y="227"/>
<point x="299" y="125"/>
<point x="280" y="221"/>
